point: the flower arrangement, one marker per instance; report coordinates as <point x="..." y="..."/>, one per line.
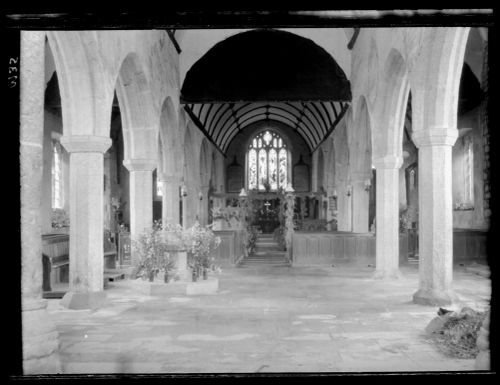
<point x="59" y="219"/>
<point x="406" y="218"/>
<point x="152" y="252"/>
<point x="175" y="238"/>
<point x="202" y="241"/>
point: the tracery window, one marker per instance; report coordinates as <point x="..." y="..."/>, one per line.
<point x="57" y="180"/>
<point x="267" y="162"/>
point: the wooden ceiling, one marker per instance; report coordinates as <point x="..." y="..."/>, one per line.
<point x="222" y="122"/>
<point x="266" y="74"/>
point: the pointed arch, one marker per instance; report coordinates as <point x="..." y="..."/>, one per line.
<point x="139" y="122"/>
<point x="171" y="144"/>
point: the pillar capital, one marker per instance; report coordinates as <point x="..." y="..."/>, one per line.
<point x="388" y="161"/>
<point x="86" y="143"/>
<point x="140" y="164"/>
<point x="435" y="136"/>
<point x="164" y="177"/>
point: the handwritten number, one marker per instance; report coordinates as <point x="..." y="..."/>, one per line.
<point x="13" y="69"/>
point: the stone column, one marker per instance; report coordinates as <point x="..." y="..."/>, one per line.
<point x="40" y="338"/>
<point x="435" y="216"/>
<point x="387" y="216"/>
<point x="141" y="197"/>
<point x="86" y="196"/>
<point x="170" y="198"/>
<point x="360" y="203"/>
<point x="344" y="207"/>
<point x="203" y="206"/>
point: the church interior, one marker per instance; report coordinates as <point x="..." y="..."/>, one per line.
<point x="358" y="158"/>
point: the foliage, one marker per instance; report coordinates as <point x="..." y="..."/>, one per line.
<point x="202" y="241"/>
<point x="226" y="213"/>
<point x="175" y="237"/>
<point x="152" y="252"/>
<point x="279" y="236"/>
<point x="289" y="224"/>
<point x="59" y="218"/>
<point x="251" y="236"/>
<point x="406" y="218"/>
<point x="457" y="337"/>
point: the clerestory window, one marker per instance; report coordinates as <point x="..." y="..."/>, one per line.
<point x="267" y="162"/>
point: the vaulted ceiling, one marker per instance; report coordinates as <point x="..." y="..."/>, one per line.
<point x="266" y="75"/>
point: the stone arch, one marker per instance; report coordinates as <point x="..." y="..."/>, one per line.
<point x="205" y="163"/>
<point x="360" y="152"/>
<point x="191" y="175"/>
<point x="391" y="108"/>
<point x="171" y="145"/>
<point x="86" y="97"/>
<point x="330" y="166"/>
<point x="137" y="112"/>
<point x="436" y="79"/>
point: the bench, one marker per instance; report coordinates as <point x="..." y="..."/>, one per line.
<point x="55" y="260"/>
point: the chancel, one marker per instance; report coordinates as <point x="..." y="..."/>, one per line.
<point x="248" y="199"/>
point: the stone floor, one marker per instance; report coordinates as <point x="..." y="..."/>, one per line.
<point x="274" y="319"/>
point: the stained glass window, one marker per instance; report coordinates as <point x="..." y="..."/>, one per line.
<point x="267" y="162"/>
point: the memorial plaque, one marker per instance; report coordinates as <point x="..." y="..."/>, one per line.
<point x="301" y="178"/>
<point x="235" y="176"/>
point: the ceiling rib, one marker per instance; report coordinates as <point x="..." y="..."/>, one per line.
<point x="313" y="120"/>
<point x="196" y="121"/>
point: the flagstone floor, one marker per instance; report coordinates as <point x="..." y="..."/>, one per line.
<point x="274" y="319"/>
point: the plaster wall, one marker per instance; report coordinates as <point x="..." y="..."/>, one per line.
<point x="197" y="42"/>
<point x="470" y="219"/>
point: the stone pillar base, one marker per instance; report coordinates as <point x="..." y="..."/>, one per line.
<point x="382" y="274"/>
<point x="40" y="340"/>
<point x="434" y="298"/>
<point x="79" y="301"/>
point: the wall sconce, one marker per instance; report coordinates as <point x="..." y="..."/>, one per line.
<point x="184" y="191"/>
<point x="200" y="196"/>
<point x="348" y="193"/>
<point x="334" y="194"/>
<point x="368" y="184"/>
<point x="243" y="193"/>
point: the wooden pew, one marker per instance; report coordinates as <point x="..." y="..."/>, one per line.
<point x="55" y="260"/>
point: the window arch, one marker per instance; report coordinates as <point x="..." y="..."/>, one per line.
<point x="267" y="157"/>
